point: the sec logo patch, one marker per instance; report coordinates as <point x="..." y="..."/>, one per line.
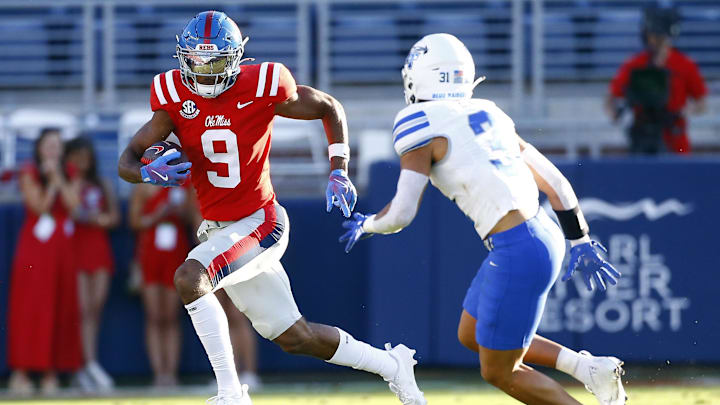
<point x="189" y="109"/>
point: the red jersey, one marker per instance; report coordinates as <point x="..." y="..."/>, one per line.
<point x="227" y="138"/>
<point x="685" y="80"/>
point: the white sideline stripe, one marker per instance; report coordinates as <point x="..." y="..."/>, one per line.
<point x="275" y="80"/>
<point x="158" y="90"/>
<point x="171" y="86"/>
<point x="261" y="80"/>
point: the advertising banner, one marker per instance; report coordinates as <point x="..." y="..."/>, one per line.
<point x="658" y="221"/>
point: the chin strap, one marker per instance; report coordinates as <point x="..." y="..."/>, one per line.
<point x="478" y="81"/>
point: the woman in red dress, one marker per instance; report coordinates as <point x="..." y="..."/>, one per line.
<point x="157" y="214"/>
<point x="97" y="212"/>
<point x="43" y="321"/>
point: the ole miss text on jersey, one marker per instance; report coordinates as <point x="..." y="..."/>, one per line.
<point x="227" y="138"/>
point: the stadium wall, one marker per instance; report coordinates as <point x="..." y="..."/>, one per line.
<point x="657" y="218"/>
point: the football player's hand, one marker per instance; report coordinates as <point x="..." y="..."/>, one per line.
<point x="585" y="258"/>
<point x="355" y="231"/>
<point x="159" y="172"/>
<point x="340" y="192"/>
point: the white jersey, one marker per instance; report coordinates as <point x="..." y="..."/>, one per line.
<point x="482" y="172"/>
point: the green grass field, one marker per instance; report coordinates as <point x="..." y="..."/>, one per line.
<point x="659" y="395"/>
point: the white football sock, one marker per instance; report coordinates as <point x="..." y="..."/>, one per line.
<point x="573" y="363"/>
<point x="361" y="356"/>
<point x="211" y="326"/>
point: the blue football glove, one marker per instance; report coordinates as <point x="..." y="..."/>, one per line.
<point x="160" y="173"/>
<point x="340" y="192"/>
<point x="585" y="258"/>
<point x="355" y="231"/>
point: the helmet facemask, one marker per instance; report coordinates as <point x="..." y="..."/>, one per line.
<point x="408" y="86"/>
<point x="208" y="72"/>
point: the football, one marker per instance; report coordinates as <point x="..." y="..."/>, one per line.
<point x="162" y="148"/>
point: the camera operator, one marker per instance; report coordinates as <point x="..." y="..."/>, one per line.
<point x="656" y="84"/>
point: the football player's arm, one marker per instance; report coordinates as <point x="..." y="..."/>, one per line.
<point x="157" y="129"/>
<point x="414" y="175"/>
<point x="308" y="103"/>
<point x="585" y="257"/>
<point x="312" y="104"/>
<point x="559" y="192"/>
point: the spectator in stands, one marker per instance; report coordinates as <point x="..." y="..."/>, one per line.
<point x="244" y="343"/>
<point x="43" y="320"/>
<point x="158" y="215"/>
<point x="96" y="213"/>
<point x="656" y="84"/>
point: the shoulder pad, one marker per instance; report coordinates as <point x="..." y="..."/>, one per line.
<point x="411" y="129"/>
<point x="163" y="90"/>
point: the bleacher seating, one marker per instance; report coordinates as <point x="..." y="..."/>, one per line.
<point x="145" y="36"/>
<point x="43" y="47"/>
<point x="369" y="41"/>
<point x="357" y="51"/>
<point x="588" y="40"/>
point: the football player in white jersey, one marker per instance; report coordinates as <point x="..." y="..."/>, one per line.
<point x="468" y="148"/>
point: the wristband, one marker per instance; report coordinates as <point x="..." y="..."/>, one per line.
<point x="340" y="150"/>
<point x="367" y="225"/>
<point x="573" y="223"/>
<point x="575" y="242"/>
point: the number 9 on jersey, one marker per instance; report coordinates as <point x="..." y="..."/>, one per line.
<point x="229" y="157"/>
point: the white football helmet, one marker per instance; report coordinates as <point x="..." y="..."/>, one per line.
<point x="438" y="67"/>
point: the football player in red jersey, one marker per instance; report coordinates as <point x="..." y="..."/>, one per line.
<point x="222" y="112"/>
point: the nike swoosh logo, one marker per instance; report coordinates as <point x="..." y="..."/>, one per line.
<point x="493" y="264"/>
<point x="158" y="149"/>
<point x="164" y="178"/>
<point x="239" y="106"/>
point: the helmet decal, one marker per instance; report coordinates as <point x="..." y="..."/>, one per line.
<point x="415" y="52"/>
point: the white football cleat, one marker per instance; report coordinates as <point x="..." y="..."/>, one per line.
<point x="606" y="379"/>
<point x="243" y="398"/>
<point x="403" y="384"/>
